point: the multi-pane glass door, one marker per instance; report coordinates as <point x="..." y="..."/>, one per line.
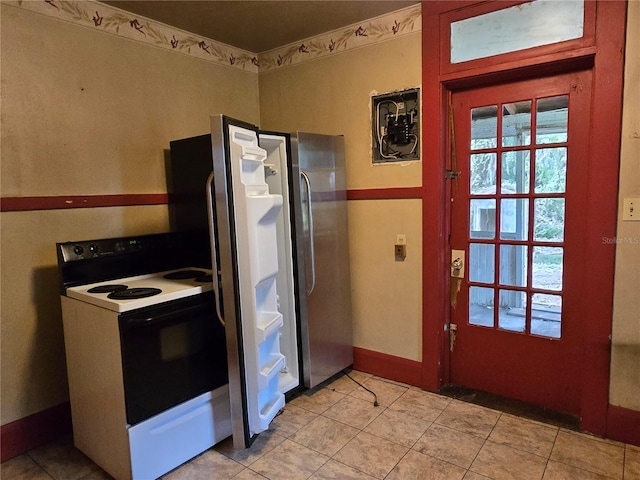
<point x="517" y="189"/>
<point x="516" y="215"/>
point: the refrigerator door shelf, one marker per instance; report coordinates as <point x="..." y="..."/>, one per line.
<point x="267" y="413"/>
<point x="260" y="223"/>
<point x="268" y="324"/>
<point x="275" y="362"/>
<point x="253" y="154"/>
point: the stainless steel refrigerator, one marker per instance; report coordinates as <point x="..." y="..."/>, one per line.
<point x="275" y="205"/>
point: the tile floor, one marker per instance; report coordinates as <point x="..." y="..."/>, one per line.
<point x="337" y="433"/>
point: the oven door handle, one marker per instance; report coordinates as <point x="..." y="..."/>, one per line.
<point x="174" y="315"/>
<point x="212" y="242"/>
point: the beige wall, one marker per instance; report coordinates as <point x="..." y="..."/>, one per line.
<point x="387" y="294"/>
<point x="84" y="113"/>
<point x="332" y="95"/>
<point x="33" y="359"/>
<point x="625" y="352"/>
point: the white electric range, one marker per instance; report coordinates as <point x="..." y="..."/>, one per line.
<point x="146" y="354"/>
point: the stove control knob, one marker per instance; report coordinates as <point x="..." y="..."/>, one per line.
<point x="93" y="248"/>
<point x="78" y="250"/>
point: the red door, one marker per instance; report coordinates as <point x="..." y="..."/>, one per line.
<point x="516" y="222"/>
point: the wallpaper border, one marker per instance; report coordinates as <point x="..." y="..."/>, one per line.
<point x="106" y="18"/>
<point x="109" y="19"/>
<point x="375" y="30"/>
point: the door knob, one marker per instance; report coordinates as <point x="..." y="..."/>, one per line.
<point x="457" y="263"/>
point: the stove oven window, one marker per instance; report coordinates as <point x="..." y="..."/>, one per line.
<point x="171" y="353"/>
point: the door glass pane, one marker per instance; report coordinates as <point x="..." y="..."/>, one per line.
<point x="513" y="310"/>
<point x="518" y="27"/>
<point x="515" y="258"/>
<point x="546" y="315"/>
<point x="513" y="265"/>
<point x="552" y="119"/>
<point x="514" y="218"/>
<point x="481" y="306"/>
<point x="481" y="262"/>
<point x="546" y="268"/>
<point x="482" y="218"/>
<point x="548" y="220"/>
<point x="515" y="172"/>
<point x="551" y="170"/>
<point x="484" y="127"/>
<point x="483" y="173"/>
<point x="516" y="124"/>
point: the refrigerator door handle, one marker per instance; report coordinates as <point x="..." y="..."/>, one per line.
<point x="312" y="249"/>
<point x="212" y="242"/>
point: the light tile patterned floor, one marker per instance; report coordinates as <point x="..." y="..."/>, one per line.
<point x="337" y="433"/>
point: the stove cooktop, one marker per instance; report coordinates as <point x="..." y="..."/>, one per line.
<point x="126" y="294"/>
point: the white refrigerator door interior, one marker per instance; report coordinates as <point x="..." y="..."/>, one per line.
<point x="256" y="212"/>
<point x="277" y="178"/>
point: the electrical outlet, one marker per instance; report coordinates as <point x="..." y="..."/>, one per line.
<point x="401" y="239"/>
<point x="631" y="209"/>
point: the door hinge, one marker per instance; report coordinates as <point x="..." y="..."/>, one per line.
<point x="451" y="175"/>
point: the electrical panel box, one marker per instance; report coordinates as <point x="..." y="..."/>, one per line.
<point x="395" y="126"/>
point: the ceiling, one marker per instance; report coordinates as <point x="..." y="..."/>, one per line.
<point x="259" y="25"/>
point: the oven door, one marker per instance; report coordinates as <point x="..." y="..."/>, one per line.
<point x="171" y="353"/>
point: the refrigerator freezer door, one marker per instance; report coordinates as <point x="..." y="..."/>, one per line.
<point x="323" y="255"/>
<point x="246" y="224"/>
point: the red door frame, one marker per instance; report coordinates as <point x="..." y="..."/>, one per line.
<point x="602" y="49"/>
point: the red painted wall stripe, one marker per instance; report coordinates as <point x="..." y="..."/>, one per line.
<point x="623" y="425"/>
<point x="385" y="193"/>
<point x="23" y="204"/>
<point x="387" y="366"/>
<point x="18" y="204"/>
<point x="30" y="432"/>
